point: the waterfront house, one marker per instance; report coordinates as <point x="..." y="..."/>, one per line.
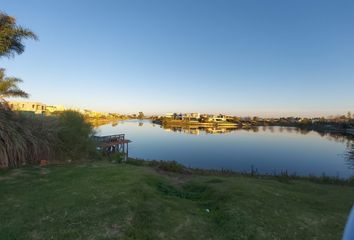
<point x="219" y="118"/>
<point x="35" y="107"/>
<point x="175" y="116"/>
<point x="191" y="116"/>
<point x="213" y="118"/>
<point x="53" y="109"/>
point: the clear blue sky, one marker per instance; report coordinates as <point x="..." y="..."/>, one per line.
<point x="281" y="57"/>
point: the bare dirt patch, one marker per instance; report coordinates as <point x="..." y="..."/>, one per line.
<point x="175" y="178"/>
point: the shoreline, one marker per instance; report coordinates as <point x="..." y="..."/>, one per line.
<point x="178" y="123"/>
<point x="175" y="167"/>
<point x="195" y="124"/>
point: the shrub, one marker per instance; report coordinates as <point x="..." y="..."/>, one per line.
<point x="115" y="157"/>
<point x="74" y="136"/>
<point x="168" y="166"/>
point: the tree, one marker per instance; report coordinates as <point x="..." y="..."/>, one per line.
<point x="11" y="36"/>
<point x="74" y="136"/>
<point x="349" y="115"/>
<point x="9" y="88"/>
<point x="141" y="115"/>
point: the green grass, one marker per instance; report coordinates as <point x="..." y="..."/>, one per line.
<point x="121" y="201"/>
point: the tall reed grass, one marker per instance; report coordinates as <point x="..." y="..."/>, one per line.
<point x="28" y="139"/>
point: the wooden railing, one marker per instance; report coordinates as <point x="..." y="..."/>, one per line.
<point x="110" y="138"/>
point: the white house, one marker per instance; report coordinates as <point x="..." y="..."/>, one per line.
<point x="35" y="107"/>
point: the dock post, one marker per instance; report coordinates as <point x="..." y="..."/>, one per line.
<point x="127" y="149"/>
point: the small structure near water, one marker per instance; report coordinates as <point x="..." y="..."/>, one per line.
<point x="113" y="143"/>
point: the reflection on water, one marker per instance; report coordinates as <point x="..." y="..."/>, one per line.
<point x="198" y="130"/>
<point x="224" y="129"/>
<point x="269" y="149"/>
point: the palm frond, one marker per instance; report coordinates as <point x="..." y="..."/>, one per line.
<point x="11" y="36"/>
<point x="9" y="88"/>
<point x="14" y="93"/>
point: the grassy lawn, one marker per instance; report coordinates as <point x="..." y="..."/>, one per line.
<point x="107" y="201"/>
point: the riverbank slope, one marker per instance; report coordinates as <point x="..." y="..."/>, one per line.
<point x="109" y="201"/>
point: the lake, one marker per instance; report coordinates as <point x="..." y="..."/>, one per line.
<point x="267" y="149"/>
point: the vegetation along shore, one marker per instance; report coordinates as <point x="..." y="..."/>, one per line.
<point x="336" y="124"/>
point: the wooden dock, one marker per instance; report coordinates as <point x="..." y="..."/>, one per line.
<point x="113" y="143"/>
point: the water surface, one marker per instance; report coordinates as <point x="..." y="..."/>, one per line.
<point x="267" y="149"/>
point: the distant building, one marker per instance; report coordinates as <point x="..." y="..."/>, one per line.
<point x="213" y="118"/>
<point x="198" y="117"/>
<point x="218" y="118"/>
<point x="191" y="116"/>
<point x="35" y="107"/>
<point x="40" y="108"/>
<point x="175" y="116"/>
<point x="52" y="109"/>
<point x="91" y="114"/>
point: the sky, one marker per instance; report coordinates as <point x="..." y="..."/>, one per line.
<point x="264" y="58"/>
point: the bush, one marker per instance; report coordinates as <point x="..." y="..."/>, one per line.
<point x="168" y="166"/>
<point x="74" y="136"/>
<point x="115" y="157"/>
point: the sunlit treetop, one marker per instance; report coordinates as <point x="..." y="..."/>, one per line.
<point x="12" y="35"/>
